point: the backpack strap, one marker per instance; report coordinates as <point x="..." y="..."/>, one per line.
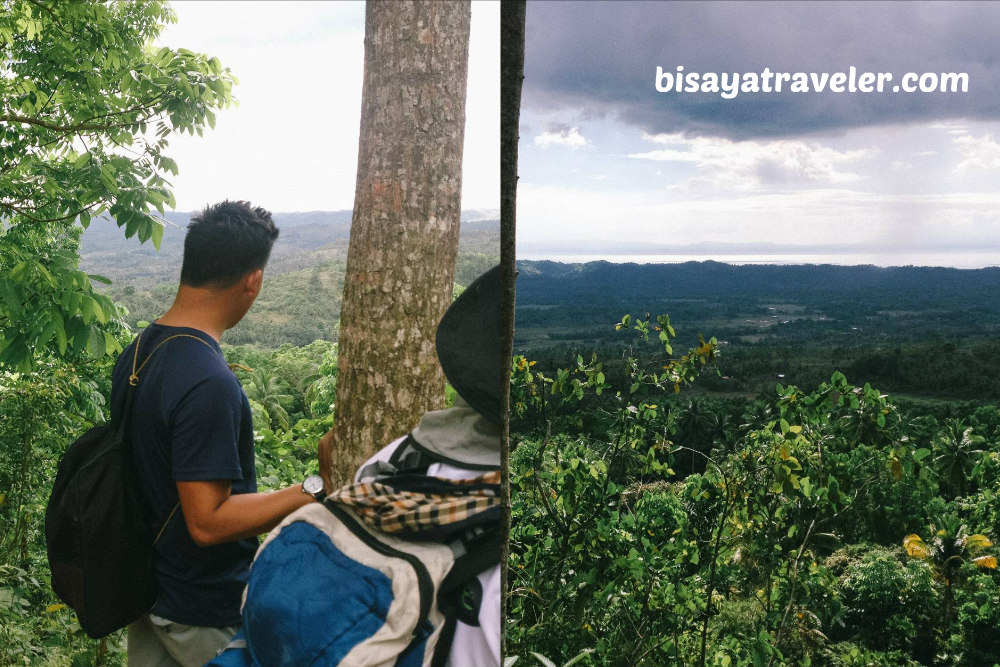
<point x="460" y="593"/>
<point x="408" y="457"/>
<point x="133" y="382"/>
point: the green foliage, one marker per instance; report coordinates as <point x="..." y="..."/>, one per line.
<point x="41" y="412"/>
<point x="701" y="531"/>
<point x="888" y="605"/>
<point x="265" y="389"/>
<point x="958" y="450"/>
<point x="87" y="106"/>
<point x="37" y="630"/>
<point x="46" y="303"/>
<point x="289" y="383"/>
<point x="978" y="617"/>
<point x="288" y="457"/>
<point x="617" y="572"/>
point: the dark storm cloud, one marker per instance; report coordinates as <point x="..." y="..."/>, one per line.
<point x="601" y="58"/>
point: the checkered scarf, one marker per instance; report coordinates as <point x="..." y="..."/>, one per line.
<point x="419" y="506"/>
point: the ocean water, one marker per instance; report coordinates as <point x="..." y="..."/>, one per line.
<point x="958" y="260"/>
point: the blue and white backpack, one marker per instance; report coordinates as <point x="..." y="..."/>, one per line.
<point x="329" y="587"/>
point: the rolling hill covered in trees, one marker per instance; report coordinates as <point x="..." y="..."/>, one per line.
<point x="303" y="284"/>
<point x="921" y="330"/>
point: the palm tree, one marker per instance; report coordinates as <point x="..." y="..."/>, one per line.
<point x="959" y="450"/>
<point x="756" y="416"/>
<point x="266" y="389"/>
<point x="950" y="546"/>
<point x="697" y="427"/>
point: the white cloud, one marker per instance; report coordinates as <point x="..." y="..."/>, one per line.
<point x="292" y="143"/>
<point x="977" y="154"/>
<point x="550" y="216"/>
<point x="751" y="165"/>
<point x="565" y="136"/>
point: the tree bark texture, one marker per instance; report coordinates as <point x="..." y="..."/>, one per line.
<point x="404" y="234"/>
<point x="512" y="18"/>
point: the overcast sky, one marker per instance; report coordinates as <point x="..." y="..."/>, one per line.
<point x="292" y="143"/>
<point x="608" y="162"/>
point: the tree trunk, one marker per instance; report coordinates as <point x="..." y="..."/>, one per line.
<point x="511" y="77"/>
<point x="404" y="234"/>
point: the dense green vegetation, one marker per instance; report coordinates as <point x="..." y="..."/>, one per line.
<point x="908" y="330"/>
<point x="41" y="412"/>
<point x="87" y="109"/>
<point x="821" y="524"/>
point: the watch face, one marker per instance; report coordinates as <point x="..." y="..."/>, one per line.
<point x="312" y="484"/>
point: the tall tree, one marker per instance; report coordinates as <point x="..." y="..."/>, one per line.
<point x="511" y="78"/>
<point x="86" y="108"/>
<point x="404" y="234"/>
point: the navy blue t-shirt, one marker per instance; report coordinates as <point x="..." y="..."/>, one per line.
<point x="191" y="421"/>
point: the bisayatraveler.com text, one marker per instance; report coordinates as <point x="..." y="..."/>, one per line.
<point x="731" y="84"/>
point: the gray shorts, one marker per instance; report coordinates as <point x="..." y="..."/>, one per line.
<point x="157" y="642"/>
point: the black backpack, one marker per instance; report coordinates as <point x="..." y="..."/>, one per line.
<point x="100" y="548"/>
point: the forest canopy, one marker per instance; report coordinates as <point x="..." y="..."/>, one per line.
<point x="88" y="107"/>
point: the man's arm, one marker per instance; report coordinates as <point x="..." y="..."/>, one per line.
<point x="213" y="515"/>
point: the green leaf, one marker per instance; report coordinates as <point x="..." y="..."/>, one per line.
<point x="17" y="272"/>
<point x="169" y="165"/>
<point x="158" y="228"/>
<point x="95" y="343"/>
<point x="578" y="657"/>
<point x="145" y="230"/>
<point x="110" y="344"/>
<point x="87" y="308"/>
<point x="60" y="331"/>
<point x="48" y="331"/>
<point x="542" y="659"/>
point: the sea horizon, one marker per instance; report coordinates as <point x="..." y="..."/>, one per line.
<point x="953" y="260"/>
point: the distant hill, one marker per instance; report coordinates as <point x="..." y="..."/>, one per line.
<point x="918" y="330"/>
<point x="307" y="239"/>
<point x="303" y="282"/>
<point x="553" y="282"/>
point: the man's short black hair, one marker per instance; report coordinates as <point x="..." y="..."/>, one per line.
<point x="225" y="242"/>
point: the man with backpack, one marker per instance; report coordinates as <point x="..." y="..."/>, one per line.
<point x="192" y="437"/>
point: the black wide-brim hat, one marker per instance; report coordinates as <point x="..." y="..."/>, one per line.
<point x="468" y="345"/>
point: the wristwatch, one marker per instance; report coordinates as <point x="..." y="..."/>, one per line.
<point x="313" y="485"/>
